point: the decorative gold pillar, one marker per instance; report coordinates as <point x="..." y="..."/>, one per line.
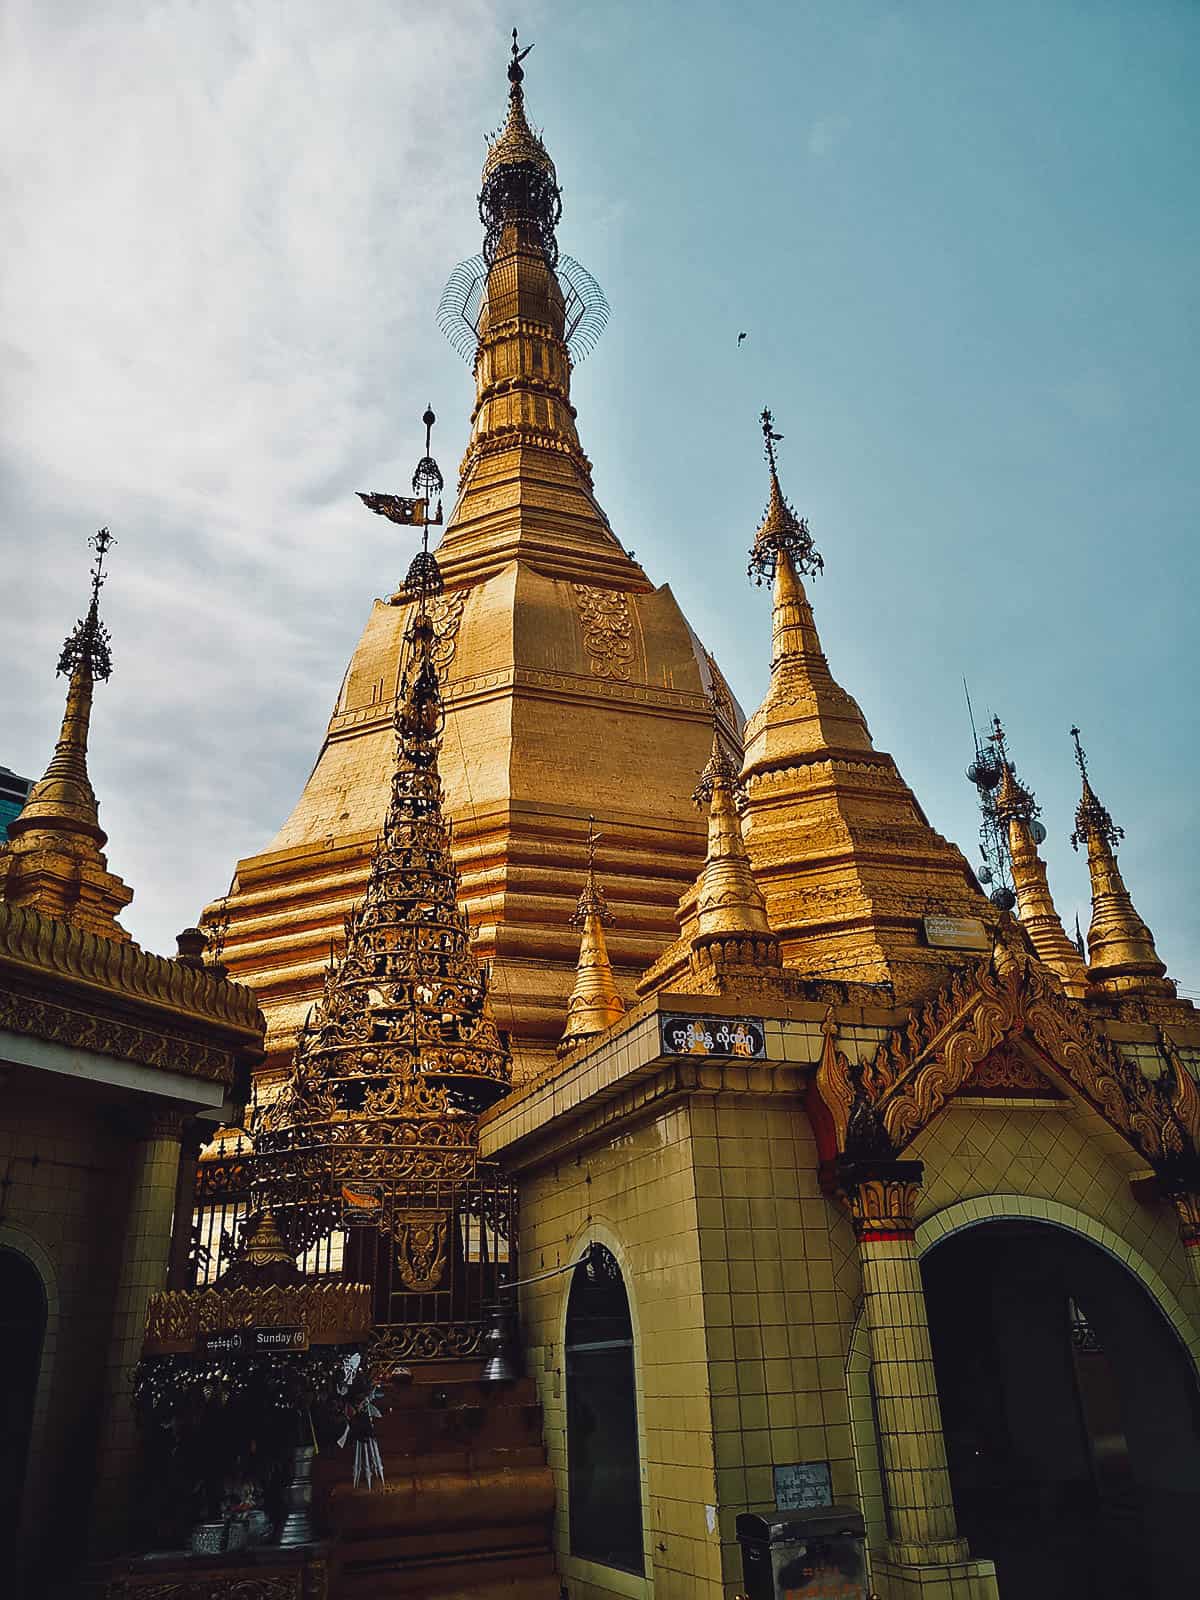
<point x="882" y="1197"/>
<point x="145" y="1254"/>
<point x="1187" y="1205"/>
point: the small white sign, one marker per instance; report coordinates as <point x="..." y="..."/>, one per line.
<point x="957" y="933"/>
<point x="804" y="1486"/>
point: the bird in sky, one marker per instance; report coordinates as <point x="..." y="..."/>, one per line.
<point x="741" y="336"/>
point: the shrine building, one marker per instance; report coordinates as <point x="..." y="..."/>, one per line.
<point x="829" y="1168"/>
<point x="706" y="1138"/>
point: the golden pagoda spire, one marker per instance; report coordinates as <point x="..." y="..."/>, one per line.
<point x="731" y="932"/>
<point x="847" y="863"/>
<point x="1018" y="811"/>
<point x="804" y="703"/>
<point x="594" y="1005"/>
<point x="525" y="484"/>
<point x="1122" y="959"/>
<point x="54" y="861"/>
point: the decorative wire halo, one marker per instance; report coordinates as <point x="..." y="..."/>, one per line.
<point x="587" y="309"/>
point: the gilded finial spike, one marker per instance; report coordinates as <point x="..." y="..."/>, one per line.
<point x="782" y="532"/>
<point x="1016" y="813"/>
<point x="594" y="1003"/>
<point x="1121" y="954"/>
<point x="88" y="644"/>
<point x="55" y="862"/>
<point x="1092" y="819"/>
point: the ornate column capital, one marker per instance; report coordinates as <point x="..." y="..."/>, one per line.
<point x="164" y="1122"/>
<point x="1188" y="1208"/>
<point x="881" y="1196"/>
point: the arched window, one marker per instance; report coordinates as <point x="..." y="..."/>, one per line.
<point x="604" y="1479"/>
<point x="22" y="1329"/>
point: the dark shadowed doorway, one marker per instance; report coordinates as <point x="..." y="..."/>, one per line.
<point x="1072" y="1416"/>
<point x="22" y="1329"/>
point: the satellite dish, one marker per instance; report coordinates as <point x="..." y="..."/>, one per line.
<point x="1038" y="832"/>
<point x="462" y="299"/>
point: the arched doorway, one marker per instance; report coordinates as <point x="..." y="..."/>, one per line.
<point x="603" y="1476"/>
<point x="1071" y="1414"/>
<point x="22" y="1329"/>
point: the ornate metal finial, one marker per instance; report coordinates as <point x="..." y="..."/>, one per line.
<point x="515" y="70"/>
<point x="520" y="186"/>
<point x="424" y="577"/>
<point x="718" y="767"/>
<point x="89" y="645"/>
<point x="1092" y="819"/>
<point x="770" y="439"/>
<point x="216" y="933"/>
<point x="592" y="899"/>
<point x="782" y="530"/>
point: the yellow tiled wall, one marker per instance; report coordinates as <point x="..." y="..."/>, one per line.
<point x="63" y="1207"/>
<point x="744" y="1287"/>
<point x="742" y="1284"/>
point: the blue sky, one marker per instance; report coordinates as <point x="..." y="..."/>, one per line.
<point x="962" y="241"/>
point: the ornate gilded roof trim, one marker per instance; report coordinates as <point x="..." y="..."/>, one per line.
<point x="44" y="947"/>
<point x="885" y="1103"/>
<point x="27" y="1011"/>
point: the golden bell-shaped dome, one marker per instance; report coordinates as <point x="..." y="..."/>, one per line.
<point x="516" y="144"/>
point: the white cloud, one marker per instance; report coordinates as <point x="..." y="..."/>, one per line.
<point x="226" y="230"/>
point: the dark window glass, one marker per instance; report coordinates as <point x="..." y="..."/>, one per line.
<point x="602" y="1446"/>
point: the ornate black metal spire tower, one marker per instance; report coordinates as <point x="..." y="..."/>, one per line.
<point x="520" y="186"/>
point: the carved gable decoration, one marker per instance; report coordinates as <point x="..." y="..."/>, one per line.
<point x="966" y="1035"/>
<point x="1008" y="1073"/>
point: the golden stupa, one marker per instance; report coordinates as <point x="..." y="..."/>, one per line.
<point x="574" y="686"/>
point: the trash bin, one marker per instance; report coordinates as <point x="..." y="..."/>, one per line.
<point x="804" y="1555"/>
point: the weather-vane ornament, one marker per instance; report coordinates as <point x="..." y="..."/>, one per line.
<point x="424" y="579"/>
<point x="89" y="645"/>
<point x="1091" y="817"/>
<point x="782" y="531"/>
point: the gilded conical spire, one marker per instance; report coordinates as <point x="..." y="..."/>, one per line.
<point x="54" y="862"/>
<point x="731" y="930"/>
<point x="846" y="860"/>
<point x="525" y="485"/>
<point x="1017" y="809"/>
<point x="594" y="1004"/>
<point x="804" y="703"/>
<point x="729" y="903"/>
<point x="403" y="1047"/>
<point x="1121" y="955"/>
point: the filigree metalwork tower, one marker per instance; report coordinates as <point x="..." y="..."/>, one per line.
<point x="373" y="1133"/>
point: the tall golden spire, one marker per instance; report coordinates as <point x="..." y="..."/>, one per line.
<point x="1017" y="810"/>
<point x="725" y="937"/>
<point x="594" y="1004"/>
<point x="1122" y="959"/>
<point x="54" y="861"/>
<point x="846" y="860"/>
<point x="805" y="709"/>
<point x="731" y="927"/>
<point x="525" y="487"/>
